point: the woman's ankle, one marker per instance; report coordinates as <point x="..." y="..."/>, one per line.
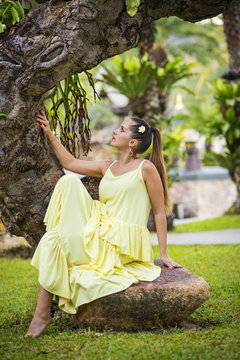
<point x="43" y="314"/>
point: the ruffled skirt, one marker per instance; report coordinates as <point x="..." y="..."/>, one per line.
<point x="84" y="254"/>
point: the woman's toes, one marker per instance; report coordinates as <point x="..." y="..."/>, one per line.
<point x="37" y="326"/>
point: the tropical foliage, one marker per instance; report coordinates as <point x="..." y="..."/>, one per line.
<point x="219" y="116"/>
<point x="133" y="76"/>
<point x="202" y="41"/>
<point x="11" y="12"/>
<point x="227" y="96"/>
<point x="173" y="72"/>
<point x="68" y="113"/>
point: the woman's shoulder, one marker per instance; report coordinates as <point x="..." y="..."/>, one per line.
<point x="148" y="168"/>
<point x="105" y="164"/>
<point x="147" y="164"/>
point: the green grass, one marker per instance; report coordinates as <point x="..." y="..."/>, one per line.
<point x="219" y="318"/>
<point x="218" y="223"/>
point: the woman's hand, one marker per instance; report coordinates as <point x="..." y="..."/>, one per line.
<point x="169" y="263"/>
<point x="44" y="123"/>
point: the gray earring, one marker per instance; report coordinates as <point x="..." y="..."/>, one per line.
<point x="130" y="151"/>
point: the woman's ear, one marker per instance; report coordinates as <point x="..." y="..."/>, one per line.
<point x="133" y="142"/>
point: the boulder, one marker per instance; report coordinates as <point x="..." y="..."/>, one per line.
<point x="168" y="300"/>
<point x="11" y="246"/>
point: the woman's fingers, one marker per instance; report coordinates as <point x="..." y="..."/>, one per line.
<point x="36" y="118"/>
<point x="42" y="120"/>
<point x="41" y="116"/>
<point x="176" y="265"/>
<point x="167" y="263"/>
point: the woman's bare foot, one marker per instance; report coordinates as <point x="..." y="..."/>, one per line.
<point x="38" y="324"/>
<point x="42" y="314"/>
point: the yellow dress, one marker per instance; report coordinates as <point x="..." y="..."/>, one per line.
<point x="93" y="248"/>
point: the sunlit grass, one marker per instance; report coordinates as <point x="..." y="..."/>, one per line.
<point x="218" y="317"/>
<point x="217" y="223"/>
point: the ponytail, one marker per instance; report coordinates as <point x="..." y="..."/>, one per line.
<point x="157" y="159"/>
<point x="145" y="139"/>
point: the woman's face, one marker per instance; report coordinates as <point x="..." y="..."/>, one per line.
<point x="122" y="136"/>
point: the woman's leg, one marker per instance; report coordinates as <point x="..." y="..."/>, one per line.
<point x="42" y="315"/>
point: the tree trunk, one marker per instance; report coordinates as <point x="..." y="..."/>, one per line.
<point x="53" y="41"/>
<point x="231" y="18"/>
<point x="151" y="100"/>
<point x="237" y="180"/>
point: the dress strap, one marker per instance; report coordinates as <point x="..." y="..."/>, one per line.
<point x="112" y="163"/>
<point x="137" y="167"/>
<point x="140" y="163"/>
<point x="118" y="160"/>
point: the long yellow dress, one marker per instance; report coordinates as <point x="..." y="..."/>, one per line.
<point x="93" y="248"/>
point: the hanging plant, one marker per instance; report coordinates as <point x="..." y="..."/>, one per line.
<point x="12" y="12"/>
<point x="69" y="96"/>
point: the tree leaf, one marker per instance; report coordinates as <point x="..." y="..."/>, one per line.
<point x="1" y="30"/>
<point x="15" y="15"/>
<point x="132" y="6"/>
<point x="20" y="9"/>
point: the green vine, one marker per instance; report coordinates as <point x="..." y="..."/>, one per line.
<point x="70" y="98"/>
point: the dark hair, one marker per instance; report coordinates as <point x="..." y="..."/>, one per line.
<point x="144" y="141"/>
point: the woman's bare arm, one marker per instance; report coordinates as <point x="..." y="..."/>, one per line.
<point x="156" y="194"/>
<point x="67" y="160"/>
<point x="94" y="168"/>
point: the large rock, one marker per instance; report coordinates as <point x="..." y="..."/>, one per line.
<point x="168" y="300"/>
<point x="11" y="246"/>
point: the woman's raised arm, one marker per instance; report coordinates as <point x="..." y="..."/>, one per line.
<point x="67" y="160"/>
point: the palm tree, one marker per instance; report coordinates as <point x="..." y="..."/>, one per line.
<point x="231" y="16"/>
<point x="154" y="102"/>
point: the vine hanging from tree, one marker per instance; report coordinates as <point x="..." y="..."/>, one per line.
<point x="70" y="94"/>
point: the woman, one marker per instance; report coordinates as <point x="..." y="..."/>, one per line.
<point x="93" y="248"/>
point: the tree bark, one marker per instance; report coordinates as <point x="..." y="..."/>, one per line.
<point x="150" y="102"/>
<point x="53" y="41"/>
<point x="231" y="18"/>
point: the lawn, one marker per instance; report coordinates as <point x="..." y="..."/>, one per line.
<point x="218" y="318"/>
<point x="217" y="223"/>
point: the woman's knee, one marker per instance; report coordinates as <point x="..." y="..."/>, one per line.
<point x="69" y="177"/>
